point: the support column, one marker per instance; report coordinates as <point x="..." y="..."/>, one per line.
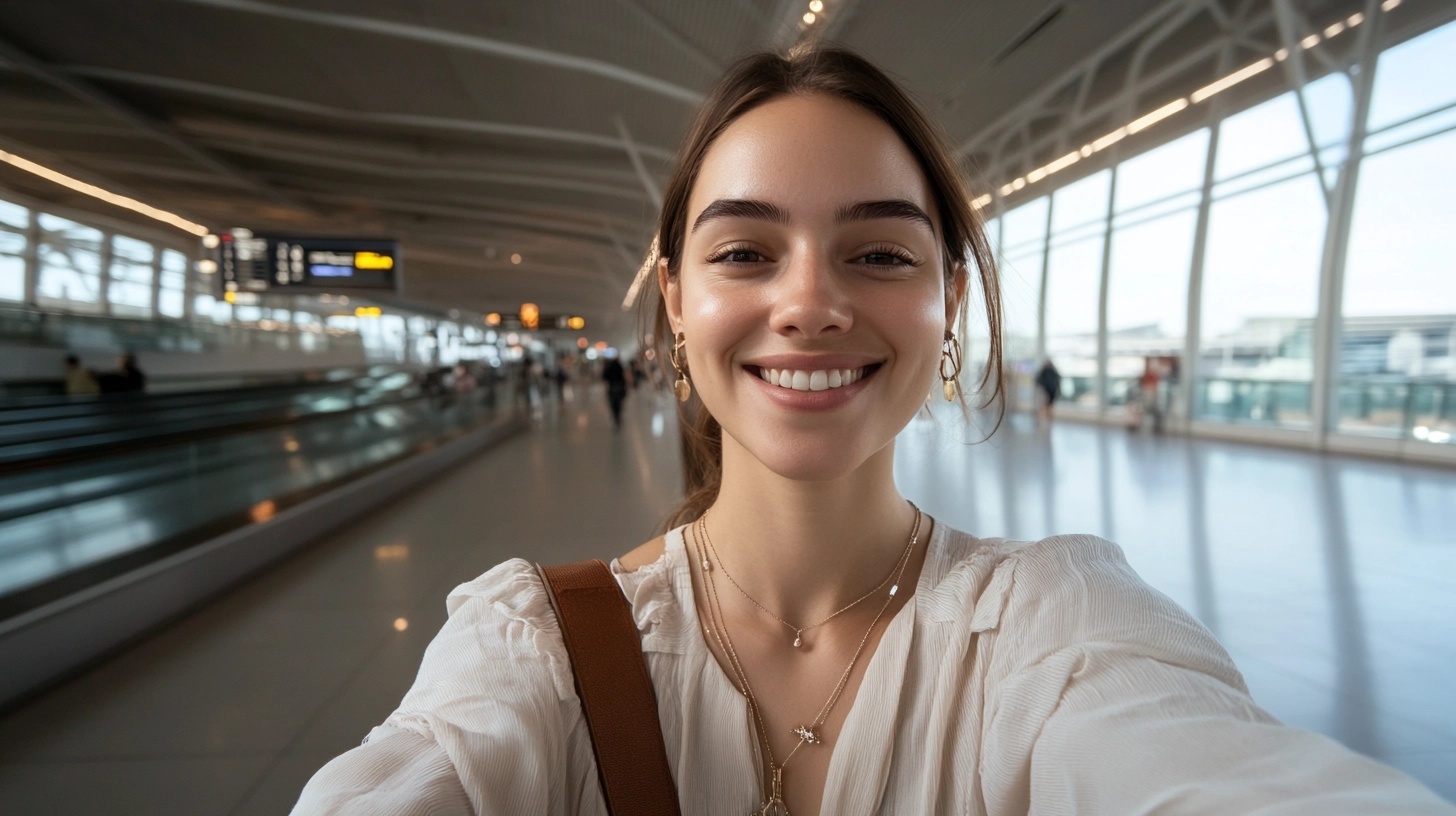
<point x="1327" y="328"/>
<point x="1102" y="293"/>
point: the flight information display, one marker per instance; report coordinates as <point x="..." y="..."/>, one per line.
<point x="267" y="263"/>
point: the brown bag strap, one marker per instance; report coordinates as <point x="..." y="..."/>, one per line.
<point x="614" y="687"/>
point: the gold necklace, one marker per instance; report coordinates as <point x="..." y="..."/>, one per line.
<point x="773" y="804"/>
<point x="800" y="630"/>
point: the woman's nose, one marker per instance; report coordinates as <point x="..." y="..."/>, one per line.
<point x="810" y="298"/>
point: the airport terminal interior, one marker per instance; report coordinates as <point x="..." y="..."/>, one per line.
<point x="311" y="311"/>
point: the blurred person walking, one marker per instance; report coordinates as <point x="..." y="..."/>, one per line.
<point x="615" y="376"/>
<point x="79" y="381"/>
<point x="1049" y="387"/>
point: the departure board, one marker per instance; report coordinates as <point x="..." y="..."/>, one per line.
<point x="248" y="262"/>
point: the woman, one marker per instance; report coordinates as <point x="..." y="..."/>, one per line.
<point x="816" y="643"/>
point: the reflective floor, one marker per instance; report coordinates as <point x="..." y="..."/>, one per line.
<point x="1332" y="581"/>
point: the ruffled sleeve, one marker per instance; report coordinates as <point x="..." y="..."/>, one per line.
<point x="491" y="724"/>
<point x="1106" y="697"/>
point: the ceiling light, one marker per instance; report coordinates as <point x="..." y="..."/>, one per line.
<point x="981" y="201"/>
<point x="816" y="6"/>
<point x="109" y="197"/>
<point x="1309" y="42"/>
<point x="210" y="241"/>
<point x="1145" y="122"/>
<point x="809" y="18"/>
<point x="1232" y="79"/>
<point x="516" y="258"/>
<point x="1354" y="19"/>
<point x="1335" y="29"/>
<point x="1389" y="4"/>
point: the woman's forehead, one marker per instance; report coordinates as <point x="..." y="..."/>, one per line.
<point x="809" y="155"/>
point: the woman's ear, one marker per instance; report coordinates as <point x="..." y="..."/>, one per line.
<point x="955" y="292"/>
<point x="671" y="289"/>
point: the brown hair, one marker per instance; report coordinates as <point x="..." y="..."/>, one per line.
<point x="839" y="73"/>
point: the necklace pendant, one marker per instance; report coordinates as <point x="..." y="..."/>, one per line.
<point x="774" y="807"/>
<point x="707" y="565"/>
<point x="798" y="640"/>
<point x="808" y="734"/>
<point x="893" y="589"/>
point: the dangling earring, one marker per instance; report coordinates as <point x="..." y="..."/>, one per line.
<point x="950" y="352"/>
<point x="682" y="388"/>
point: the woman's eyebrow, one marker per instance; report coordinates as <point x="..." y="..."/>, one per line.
<point x="892" y="208"/>
<point x="741" y="208"/>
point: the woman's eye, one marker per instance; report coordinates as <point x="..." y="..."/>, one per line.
<point x="886" y="257"/>
<point x="736" y="256"/>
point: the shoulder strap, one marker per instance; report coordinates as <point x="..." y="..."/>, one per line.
<point x="614" y="687"/>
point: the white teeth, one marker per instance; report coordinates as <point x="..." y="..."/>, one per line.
<point x="822" y="380"/>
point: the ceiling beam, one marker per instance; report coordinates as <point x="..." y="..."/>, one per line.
<point x="461" y="40"/>
<point x="425" y="172"/>
<point x="161" y="131"/>
<point x="357" y="117"/>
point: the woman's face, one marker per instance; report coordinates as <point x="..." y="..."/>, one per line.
<point x="811" y="287"/>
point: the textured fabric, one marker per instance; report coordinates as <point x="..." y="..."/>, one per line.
<point x="1040" y="678"/>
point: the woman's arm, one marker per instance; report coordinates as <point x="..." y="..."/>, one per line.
<point x="491" y="724"/>
<point x="1109" y="698"/>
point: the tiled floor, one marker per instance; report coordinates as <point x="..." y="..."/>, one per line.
<point x="1333" y="582"/>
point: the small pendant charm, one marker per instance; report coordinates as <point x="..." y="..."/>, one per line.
<point x="893" y="589"/>
<point x="808" y="734"/>
<point x="707" y="565"/>
<point x="683" y="389"/>
<point x="798" y="641"/>
<point x="950" y="389"/>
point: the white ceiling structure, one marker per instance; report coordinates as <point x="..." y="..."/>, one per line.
<point x="476" y="131"/>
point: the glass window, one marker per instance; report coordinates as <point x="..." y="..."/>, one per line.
<point x="1023" y="246"/>
<point x="1165" y="171"/>
<point x="14" y="221"/>
<point x="1081" y="204"/>
<point x="1398" y="344"/>
<point x="1260" y="136"/>
<point x="129" y="290"/>
<point x="1147" y="306"/>
<point x="69" y="258"/>
<point x="172" y="287"/>
<point x="1260" y="294"/>
<point x="1074" y="280"/>
<point x="1405" y="84"/>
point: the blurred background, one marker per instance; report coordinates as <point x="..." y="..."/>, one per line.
<point x="311" y="310"/>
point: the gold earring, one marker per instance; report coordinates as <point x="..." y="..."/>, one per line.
<point x="950" y="352"/>
<point x="682" y="388"/>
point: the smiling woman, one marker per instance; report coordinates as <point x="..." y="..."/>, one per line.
<point x="814" y="642"/>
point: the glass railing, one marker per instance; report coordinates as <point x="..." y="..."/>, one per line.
<point x="1286" y="403"/>
<point x="1410" y="409"/>
<point x="72" y="330"/>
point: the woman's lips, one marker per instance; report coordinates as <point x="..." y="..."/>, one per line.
<point x="812" y="389"/>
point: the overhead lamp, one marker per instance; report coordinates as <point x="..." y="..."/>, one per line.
<point x="809" y="18"/>
<point x="816" y="6"/>
<point x="576" y="323"/>
<point x="207" y="266"/>
<point x="530" y="315"/>
<point x="493" y="319"/>
<point x="210" y="241"/>
<point x="105" y="195"/>
<point x="516" y="258"/>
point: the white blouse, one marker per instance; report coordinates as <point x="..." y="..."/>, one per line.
<point x="1021" y="677"/>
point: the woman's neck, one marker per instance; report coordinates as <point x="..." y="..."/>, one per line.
<point x="805" y="549"/>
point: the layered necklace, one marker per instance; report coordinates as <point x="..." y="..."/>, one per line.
<point x="811" y="734"/>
